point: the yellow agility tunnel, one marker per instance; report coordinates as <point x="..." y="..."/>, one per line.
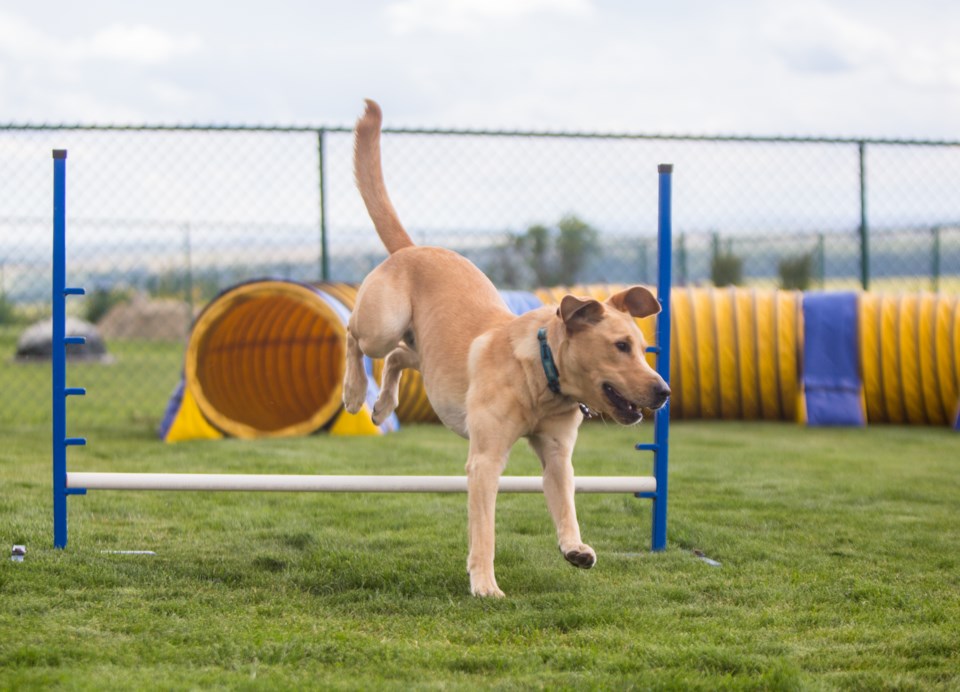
<point x="736" y="354"/>
<point x="739" y="354"/>
<point x="265" y="358"/>
<point x="911" y="357"/>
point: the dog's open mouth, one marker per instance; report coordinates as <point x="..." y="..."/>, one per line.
<point x="624" y="410"/>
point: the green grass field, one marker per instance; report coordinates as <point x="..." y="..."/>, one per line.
<point x="839" y="569"/>
<point x="130" y="393"/>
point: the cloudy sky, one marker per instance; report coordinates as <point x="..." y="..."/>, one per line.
<point x="883" y="68"/>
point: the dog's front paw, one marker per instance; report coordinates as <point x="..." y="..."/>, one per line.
<point x="580" y="556"/>
<point x="485" y="587"/>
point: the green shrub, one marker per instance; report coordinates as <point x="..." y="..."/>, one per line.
<point x="8" y="312"/>
<point x="726" y="269"/>
<point x="100" y="301"/>
<point x="555" y="255"/>
<point x="796" y="273"/>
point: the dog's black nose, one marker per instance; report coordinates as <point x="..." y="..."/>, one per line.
<point x="661" y="392"/>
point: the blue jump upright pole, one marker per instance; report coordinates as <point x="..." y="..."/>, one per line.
<point x="662" y="422"/>
<point x="661" y="430"/>
<point x="59" y="351"/>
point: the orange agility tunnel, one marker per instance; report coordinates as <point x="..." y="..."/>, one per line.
<point x="266" y="358"/>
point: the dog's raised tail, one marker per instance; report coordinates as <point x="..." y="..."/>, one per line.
<point x="369" y="174"/>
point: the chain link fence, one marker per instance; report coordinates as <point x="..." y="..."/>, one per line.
<point x="162" y="219"/>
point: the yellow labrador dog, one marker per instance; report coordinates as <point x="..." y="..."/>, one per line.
<point x="491" y="376"/>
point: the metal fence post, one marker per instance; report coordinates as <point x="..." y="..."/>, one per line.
<point x="188" y="279"/>
<point x="935" y="263"/>
<point x="324" y="253"/>
<point x="864" y="234"/>
<point x="682" y="258"/>
<point x="821" y="263"/>
<point x="643" y="262"/>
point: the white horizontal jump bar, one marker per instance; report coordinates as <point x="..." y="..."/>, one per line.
<point x="341" y="484"/>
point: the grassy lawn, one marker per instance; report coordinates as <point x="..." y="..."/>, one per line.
<point x="839" y="568"/>
<point x="130" y="392"/>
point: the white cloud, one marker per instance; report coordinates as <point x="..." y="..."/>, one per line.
<point x="138" y="43"/>
<point x="19" y="39"/>
<point x="936" y="65"/>
<point x="104" y="72"/>
<point x="461" y="16"/>
<point x="874" y="51"/>
<point x="819" y="38"/>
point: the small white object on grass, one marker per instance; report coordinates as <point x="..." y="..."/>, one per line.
<point x="702" y="556"/>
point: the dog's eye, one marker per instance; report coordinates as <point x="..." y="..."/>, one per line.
<point x="623" y="346"/>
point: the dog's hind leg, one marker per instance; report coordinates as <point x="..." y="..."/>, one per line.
<point x="380" y="318"/>
<point x="400" y="358"/>
<point x="555" y="450"/>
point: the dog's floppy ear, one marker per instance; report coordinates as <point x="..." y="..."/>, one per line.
<point x="636" y="301"/>
<point x="578" y="313"/>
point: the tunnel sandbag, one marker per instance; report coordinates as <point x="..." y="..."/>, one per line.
<point x="832" y="390"/>
<point x="266" y="358"/>
<point x="521" y="302"/>
<point x="735" y="353"/>
<point x="910" y="354"/>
